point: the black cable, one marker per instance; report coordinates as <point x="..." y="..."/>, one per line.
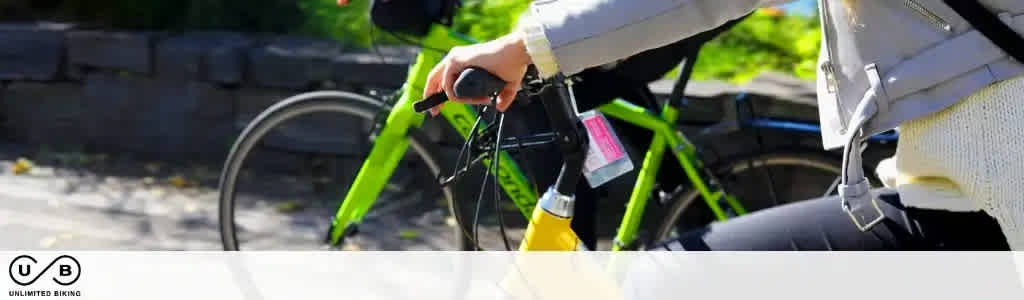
<point x="455" y="182"/>
<point x="496" y="159"/>
<point x="457" y="211"/>
<point x="479" y="199"/>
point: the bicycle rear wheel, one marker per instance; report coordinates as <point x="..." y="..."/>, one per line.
<point x="758" y="181"/>
<point x="411" y="212"/>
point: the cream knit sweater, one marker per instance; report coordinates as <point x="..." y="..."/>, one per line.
<point x="968" y="157"/>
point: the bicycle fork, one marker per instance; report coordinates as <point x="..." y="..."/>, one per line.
<point x="387" y="151"/>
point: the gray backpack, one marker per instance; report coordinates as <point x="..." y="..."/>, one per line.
<point x="878" y="110"/>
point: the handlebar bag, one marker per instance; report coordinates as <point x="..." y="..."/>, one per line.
<point x="408" y="16"/>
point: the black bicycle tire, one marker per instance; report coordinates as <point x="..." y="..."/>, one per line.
<point x="302" y="104"/>
<point x="684" y="200"/>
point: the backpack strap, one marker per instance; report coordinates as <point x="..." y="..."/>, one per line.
<point x="990" y="26"/>
<point x="854" y="189"/>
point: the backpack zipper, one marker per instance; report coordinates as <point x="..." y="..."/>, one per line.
<point x="929" y="16"/>
<point x="828" y="66"/>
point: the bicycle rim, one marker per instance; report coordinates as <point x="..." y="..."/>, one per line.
<point x="347" y="104"/>
<point x="689" y="207"/>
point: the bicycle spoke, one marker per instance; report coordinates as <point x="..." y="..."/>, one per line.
<point x="760" y="145"/>
<point x="831" y="188"/>
<point x="771" y="186"/>
<point x="739" y="178"/>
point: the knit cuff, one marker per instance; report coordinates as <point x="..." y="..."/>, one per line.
<point x="538" y="46"/>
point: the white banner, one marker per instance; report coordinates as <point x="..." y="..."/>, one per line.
<point x="513" y="275"/>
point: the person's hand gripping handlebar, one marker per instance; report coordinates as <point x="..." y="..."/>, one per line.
<point x="473" y="83"/>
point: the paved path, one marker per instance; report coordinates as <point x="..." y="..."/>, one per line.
<point x="136" y="205"/>
<point x="99" y="202"/>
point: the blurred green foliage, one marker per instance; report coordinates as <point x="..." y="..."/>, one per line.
<point x="350" y="23"/>
<point x="765" y="41"/>
<point x="480" y="19"/>
<point x="489" y="19"/>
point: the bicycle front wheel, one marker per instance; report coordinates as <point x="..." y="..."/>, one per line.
<point x="758" y="181"/>
<point x="265" y="208"/>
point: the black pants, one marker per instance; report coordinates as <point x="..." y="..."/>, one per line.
<point x="821" y="224"/>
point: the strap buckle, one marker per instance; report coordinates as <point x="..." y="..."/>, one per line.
<point x="861" y="205"/>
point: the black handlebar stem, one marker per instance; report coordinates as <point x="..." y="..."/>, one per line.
<point x="570" y="136"/>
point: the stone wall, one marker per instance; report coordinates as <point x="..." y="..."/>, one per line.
<point x="168" y="96"/>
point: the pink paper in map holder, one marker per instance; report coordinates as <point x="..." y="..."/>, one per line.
<point x="606" y="157"/>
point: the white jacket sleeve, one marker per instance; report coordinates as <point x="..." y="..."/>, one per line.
<point x="572" y="35"/>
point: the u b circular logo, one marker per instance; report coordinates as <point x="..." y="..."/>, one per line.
<point x="26" y="270"/>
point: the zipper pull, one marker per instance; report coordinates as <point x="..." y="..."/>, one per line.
<point x="829" y="71"/>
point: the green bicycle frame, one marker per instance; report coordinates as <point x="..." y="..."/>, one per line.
<point x="392" y="143"/>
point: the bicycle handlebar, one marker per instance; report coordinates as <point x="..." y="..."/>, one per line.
<point x="472" y="83"/>
<point x="570" y="137"/>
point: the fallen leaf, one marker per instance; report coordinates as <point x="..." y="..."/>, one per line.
<point x="180" y="182"/>
<point x="408" y="234"/>
<point x="288" y="206"/>
<point x="22" y="166"/>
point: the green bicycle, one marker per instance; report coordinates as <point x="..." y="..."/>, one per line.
<point x="730" y="187"/>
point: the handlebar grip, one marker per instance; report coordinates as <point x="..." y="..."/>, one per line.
<point x="430" y="102"/>
<point x="472" y="83"/>
<point x="477" y="83"/>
